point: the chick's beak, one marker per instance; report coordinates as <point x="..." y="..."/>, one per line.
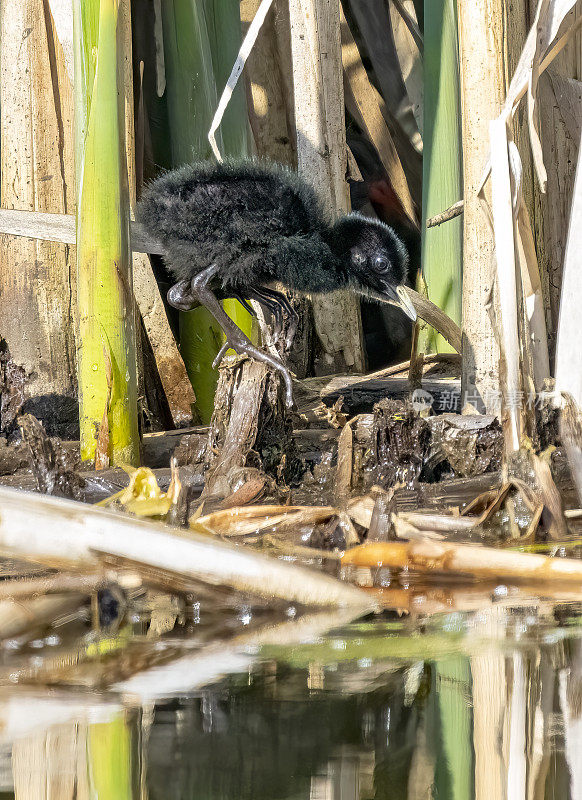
<point x="400" y="298"/>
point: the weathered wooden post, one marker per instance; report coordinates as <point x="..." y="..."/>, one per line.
<point x="484" y="42"/>
<point x="322" y="157"/>
<point x="37" y="174"/>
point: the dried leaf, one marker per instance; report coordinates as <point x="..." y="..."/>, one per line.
<point x="254" y="519"/>
<point x="249" y="491"/>
<point x="360" y="509"/>
<point x="143" y="497"/>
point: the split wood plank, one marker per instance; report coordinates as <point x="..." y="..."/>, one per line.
<point x="61" y="228"/>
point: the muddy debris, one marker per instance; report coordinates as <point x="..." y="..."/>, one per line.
<point x="14" y="457"/>
<point x="54" y="468"/>
<point x="12" y="389"/>
<point x="407" y="447"/>
<point x="401" y="442"/>
<point x="465" y="445"/>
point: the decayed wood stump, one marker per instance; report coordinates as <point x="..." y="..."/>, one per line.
<point x="396" y="445"/>
<point x="250" y="428"/>
<point x="400" y="444"/>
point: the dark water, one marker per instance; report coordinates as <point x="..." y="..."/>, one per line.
<point x="485" y="705"/>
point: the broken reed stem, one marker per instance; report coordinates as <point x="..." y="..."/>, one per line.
<point x="436" y="318"/>
<point x="506" y="279"/>
<point x="465" y="559"/>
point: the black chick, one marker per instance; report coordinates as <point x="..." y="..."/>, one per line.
<point x="230" y="229"/>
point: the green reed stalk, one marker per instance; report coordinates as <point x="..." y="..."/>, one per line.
<point x="201" y="41"/>
<point x="442" y="185"/>
<point x="106" y="344"/>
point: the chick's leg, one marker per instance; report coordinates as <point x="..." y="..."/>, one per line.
<point x="235" y="338"/>
<point x="180" y="296"/>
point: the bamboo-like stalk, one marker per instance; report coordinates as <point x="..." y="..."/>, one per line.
<point x="442" y="171"/>
<point x="107" y="355"/>
<point x="197" y="57"/>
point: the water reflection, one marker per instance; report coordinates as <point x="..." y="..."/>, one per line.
<point x="485" y="706"/>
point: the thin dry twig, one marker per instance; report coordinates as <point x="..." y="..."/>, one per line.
<point x="450" y="213"/>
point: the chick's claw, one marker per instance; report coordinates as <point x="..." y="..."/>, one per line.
<point x="220" y="355"/>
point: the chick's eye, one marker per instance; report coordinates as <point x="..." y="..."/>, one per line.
<point x="381" y="264"/>
<point x="358" y="258"/>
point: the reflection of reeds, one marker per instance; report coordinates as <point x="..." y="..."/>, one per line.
<point x="109" y="759"/>
<point x="107" y="353"/>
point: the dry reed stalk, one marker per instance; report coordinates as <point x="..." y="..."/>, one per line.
<point x="465" y="559"/>
<point x="61" y="532"/>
